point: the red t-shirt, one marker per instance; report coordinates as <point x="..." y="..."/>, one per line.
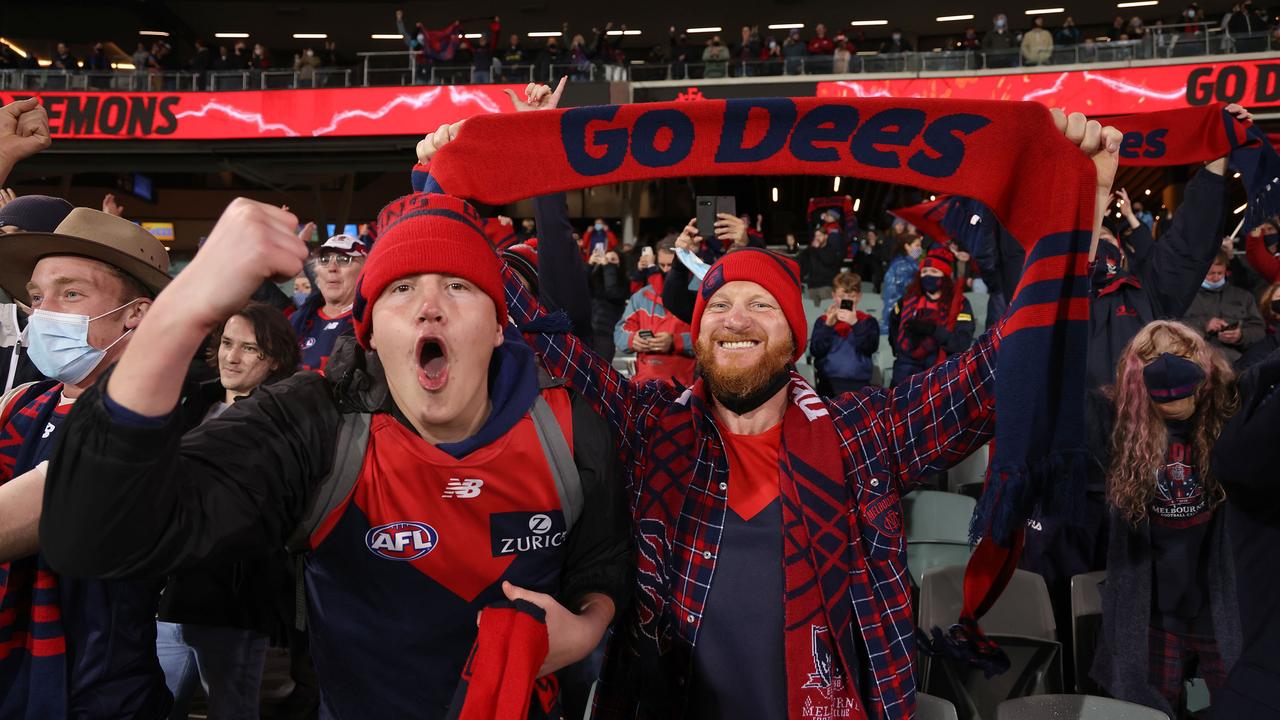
<point x="753" y="470"/>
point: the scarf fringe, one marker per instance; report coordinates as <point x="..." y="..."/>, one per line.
<point x="556" y="323"/>
<point x="1053" y="486"/>
<point x="1264" y="201"/>
<point x="964" y="642"/>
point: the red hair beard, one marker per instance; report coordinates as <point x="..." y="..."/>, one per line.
<point x="741" y="382"/>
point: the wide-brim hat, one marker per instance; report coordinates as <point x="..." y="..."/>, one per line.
<point x="85" y="233"/>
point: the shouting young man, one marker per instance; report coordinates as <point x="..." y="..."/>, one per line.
<point x="435" y="473"/>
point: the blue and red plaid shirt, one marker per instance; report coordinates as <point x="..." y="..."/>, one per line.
<point x="677" y="474"/>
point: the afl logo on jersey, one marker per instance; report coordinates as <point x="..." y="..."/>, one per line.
<point x="401" y="540"/>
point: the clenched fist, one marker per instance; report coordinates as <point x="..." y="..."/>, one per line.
<point x="252" y="242"/>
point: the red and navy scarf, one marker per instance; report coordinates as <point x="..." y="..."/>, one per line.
<point x="990" y="151"/>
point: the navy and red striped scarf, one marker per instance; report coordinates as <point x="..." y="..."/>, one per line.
<point x="986" y="150"/>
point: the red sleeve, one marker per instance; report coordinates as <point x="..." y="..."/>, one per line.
<point x="1262" y="259"/>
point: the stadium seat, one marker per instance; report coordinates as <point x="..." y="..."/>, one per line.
<point x="929" y="707"/>
<point x="1074" y="707"/>
<point x="1086" y="624"/>
<point x="924" y="556"/>
<point x="937" y="517"/>
<point x="1021" y="622"/>
<point x="972" y="469"/>
<point x="1023" y="609"/>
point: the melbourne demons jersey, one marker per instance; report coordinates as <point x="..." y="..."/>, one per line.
<point x="317" y="334"/>
<point x="422" y="544"/>
<point x="69" y="647"/>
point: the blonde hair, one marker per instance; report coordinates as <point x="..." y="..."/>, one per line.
<point x="1140" y="438"/>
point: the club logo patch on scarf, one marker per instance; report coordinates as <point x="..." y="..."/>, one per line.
<point x="826" y="674"/>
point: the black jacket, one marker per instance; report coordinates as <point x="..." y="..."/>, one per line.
<point x="1168" y="274"/>
<point x="1245" y="460"/>
<point x="130" y="501"/>
<point x="820" y="265"/>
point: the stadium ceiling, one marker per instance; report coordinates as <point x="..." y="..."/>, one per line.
<point x="352" y="23"/>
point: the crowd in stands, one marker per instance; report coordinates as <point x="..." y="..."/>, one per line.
<point x="422" y="455"/>
<point x="609" y="52"/>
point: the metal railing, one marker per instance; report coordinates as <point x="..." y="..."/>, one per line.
<point x="407" y="68"/>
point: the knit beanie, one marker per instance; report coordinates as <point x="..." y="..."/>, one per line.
<point x="35" y="213"/>
<point x="523" y="258"/>
<point x="775" y="273"/>
<point x="941" y="259"/>
<point x="427" y="233"/>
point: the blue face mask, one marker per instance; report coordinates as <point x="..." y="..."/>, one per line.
<point x="599" y="227"/>
<point x="299" y="298"/>
<point x="1213" y="285"/>
<point x="916" y="252"/>
<point x="930" y="283"/>
<point x="59" y="344"/>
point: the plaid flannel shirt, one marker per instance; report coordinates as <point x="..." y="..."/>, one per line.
<point x="889" y="440"/>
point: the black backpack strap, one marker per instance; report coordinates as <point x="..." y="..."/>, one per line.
<point x="560" y="459"/>
<point x="348" y="456"/>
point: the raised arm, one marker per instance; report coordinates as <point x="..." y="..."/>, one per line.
<point x="24" y="131"/>
<point x="122" y="496"/>
<point x="562" y="275"/>
<point x="1184" y="252"/>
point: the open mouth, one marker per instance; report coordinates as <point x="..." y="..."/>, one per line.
<point x="433" y="363"/>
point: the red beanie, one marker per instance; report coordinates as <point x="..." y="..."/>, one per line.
<point x="775" y="273"/>
<point x="427" y="233"/>
<point x="941" y="259"/>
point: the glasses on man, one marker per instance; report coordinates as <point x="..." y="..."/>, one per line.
<point x="340" y="260"/>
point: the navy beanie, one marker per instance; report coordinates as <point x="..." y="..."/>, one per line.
<point x="35" y="213"/>
<point x="1172" y="377"/>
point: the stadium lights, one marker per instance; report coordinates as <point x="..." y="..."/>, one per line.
<point x="154" y="33"/>
<point x="775" y="194"/>
<point x="124" y="66"/>
<point x="623" y="32"/>
<point x="44" y="63"/>
<point x="835" y="186"/>
<point x="1139" y="3"/>
<point x="231" y="35"/>
<point x="864" y="23"/>
<point x="310" y="36"/>
<point x="473" y="36"/>
<point x="385" y="36"/>
<point x="546" y="34"/>
<point x="1046" y="11"/>
<point x="20" y="51"/>
<point x="857" y="203"/>
<point x="932" y="198"/>
<point x="1236" y="176"/>
<point x="949" y="18"/>
<point x="1240" y="209"/>
<point x="786" y="26"/>
<point x="704" y="29"/>
<point x="1146" y="192"/>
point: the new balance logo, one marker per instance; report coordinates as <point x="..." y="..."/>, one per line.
<point x="331" y="326"/>
<point x="462" y="488"/>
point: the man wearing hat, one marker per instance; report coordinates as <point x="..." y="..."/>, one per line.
<point x="30" y="213"/>
<point x="467" y="482"/>
<point x="73" y="647"/>
<point x="326" y="316"/>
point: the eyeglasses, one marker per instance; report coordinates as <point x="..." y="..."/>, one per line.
<point x="340" y="260"/>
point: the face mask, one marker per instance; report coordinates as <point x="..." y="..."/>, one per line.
<point x="915" y="252"/>
<point x="299" y="298"/>
<point x="1000" y="24"/>
<point x="930" y="283"/>
<point x="600" y="227"/>
<point x="1213" y="285"/>
<point x="59" y="344"/>
<point x="896" y="37"/>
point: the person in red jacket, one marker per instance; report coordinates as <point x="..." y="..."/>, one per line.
<point x="598" y="235"/>
<point x="1261" y="248"/>
<point x="661" y="341"/>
